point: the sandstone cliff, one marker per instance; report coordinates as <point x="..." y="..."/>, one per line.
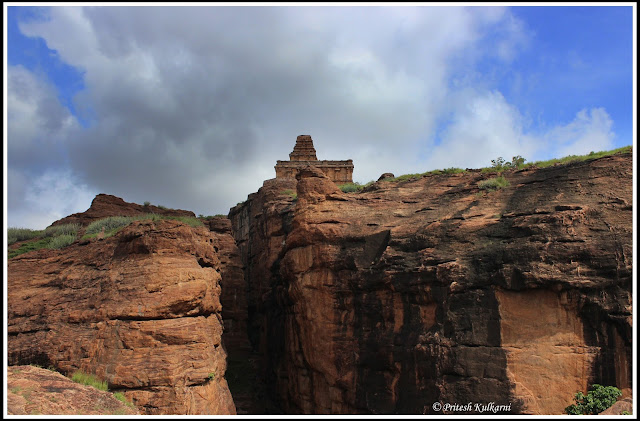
<point x="432" y="290"/>
<point x="140" y="310"/>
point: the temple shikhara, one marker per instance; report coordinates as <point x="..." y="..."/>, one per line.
<point x="304" y="154"/>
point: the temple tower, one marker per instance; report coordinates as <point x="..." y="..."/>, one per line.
<point x="303" y="150"/>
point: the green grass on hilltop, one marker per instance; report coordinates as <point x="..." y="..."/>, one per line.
<point x="578" y="158"/>
<point x="60" y="236"/>
<point x="500" y="165"/>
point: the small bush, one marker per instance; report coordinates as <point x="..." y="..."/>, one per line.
<point x="350" y="187"/>
<point x="595" y="401"/>
<point x="89" y="380"/>
<point x="61" y="241"/>
<point x="499" y="164"/>
<point x="20" y="234"/>
<point x="453" y="170"/>
<point x="109" y="224"/>
<point x="493" y="183"/>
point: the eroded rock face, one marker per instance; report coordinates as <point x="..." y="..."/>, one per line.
<point x="140" y="310"/>
<point x="432" y="290"/>
<point x="36" y="391"/>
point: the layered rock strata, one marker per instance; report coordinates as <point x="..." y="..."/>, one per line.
<point x="435" y="291"/>
<point x="140" y="310"/>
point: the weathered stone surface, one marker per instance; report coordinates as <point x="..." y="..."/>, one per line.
<point x="431" y="290"/>
<point x="622" y="407"/>
<point x="36" y="391"/>
<point x="140" y="310"/>
<point x="386" y="175"/>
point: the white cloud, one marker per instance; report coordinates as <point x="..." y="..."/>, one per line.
<point x="591" y="130"/>
<point x="49" y="197"/>
<point x="485" y="126"/>
<point x="192" y="106"/>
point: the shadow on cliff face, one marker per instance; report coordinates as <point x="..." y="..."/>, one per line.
<point x="565" y="231"/>
<point x="389" y="301"/>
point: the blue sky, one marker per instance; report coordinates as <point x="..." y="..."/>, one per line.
<point x="190" y="107"/>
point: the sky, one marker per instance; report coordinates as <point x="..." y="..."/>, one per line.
<point x="190" y="107"/>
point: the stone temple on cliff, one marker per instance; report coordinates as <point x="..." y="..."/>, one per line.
<point x="304" y="154"/>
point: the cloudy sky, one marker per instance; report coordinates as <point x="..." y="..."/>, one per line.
<point x="190" y="107"/>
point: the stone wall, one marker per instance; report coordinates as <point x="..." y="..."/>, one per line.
<point x="340" y="172"/>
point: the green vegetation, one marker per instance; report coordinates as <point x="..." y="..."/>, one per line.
<point x="20" y="234"/>
<point x="451" y="170"/>
<point x="218" y="215"/>
<point x="494" y="183"/>
<point x="30" y="246"/>
<point x="65" y="229"/>
<point x="113" y="224"/>
<point x="212" y="376"/>
<point x="89" y="380"/>
<point x="578" y="158"/>
<point x="60" y="236"/>
<point x="291" y="193"/>
<point x="189" y="220"/>
<point x="595" y="401"/>
<point x="110" y="225"/>
<point x="499" y="165"/>
<point x="351" y="187"/>
<point x="61" y="241"/>
<point x="120" y="396"/>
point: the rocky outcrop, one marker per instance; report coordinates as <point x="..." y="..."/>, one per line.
<point x="432" y="292"/>
<point x="105" y="205"/>
<point x="622" y="407"/>
<point x="36" y="391"/>
<point x="140" y="310"/>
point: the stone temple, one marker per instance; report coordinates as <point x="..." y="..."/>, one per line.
<point x="304" y="154"/>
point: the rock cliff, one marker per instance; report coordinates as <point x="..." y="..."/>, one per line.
<point x="140" y="310"/>
<point x="433" y="291"/>
<point x="405" y="298"/>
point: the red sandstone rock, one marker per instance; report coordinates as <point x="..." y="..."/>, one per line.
<point x="105" y="205"/>
<point x="140" y="310"/>
<point x="36" y="391"/>
<point x="431" y="290"/>
<point x="622" y="407"/>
